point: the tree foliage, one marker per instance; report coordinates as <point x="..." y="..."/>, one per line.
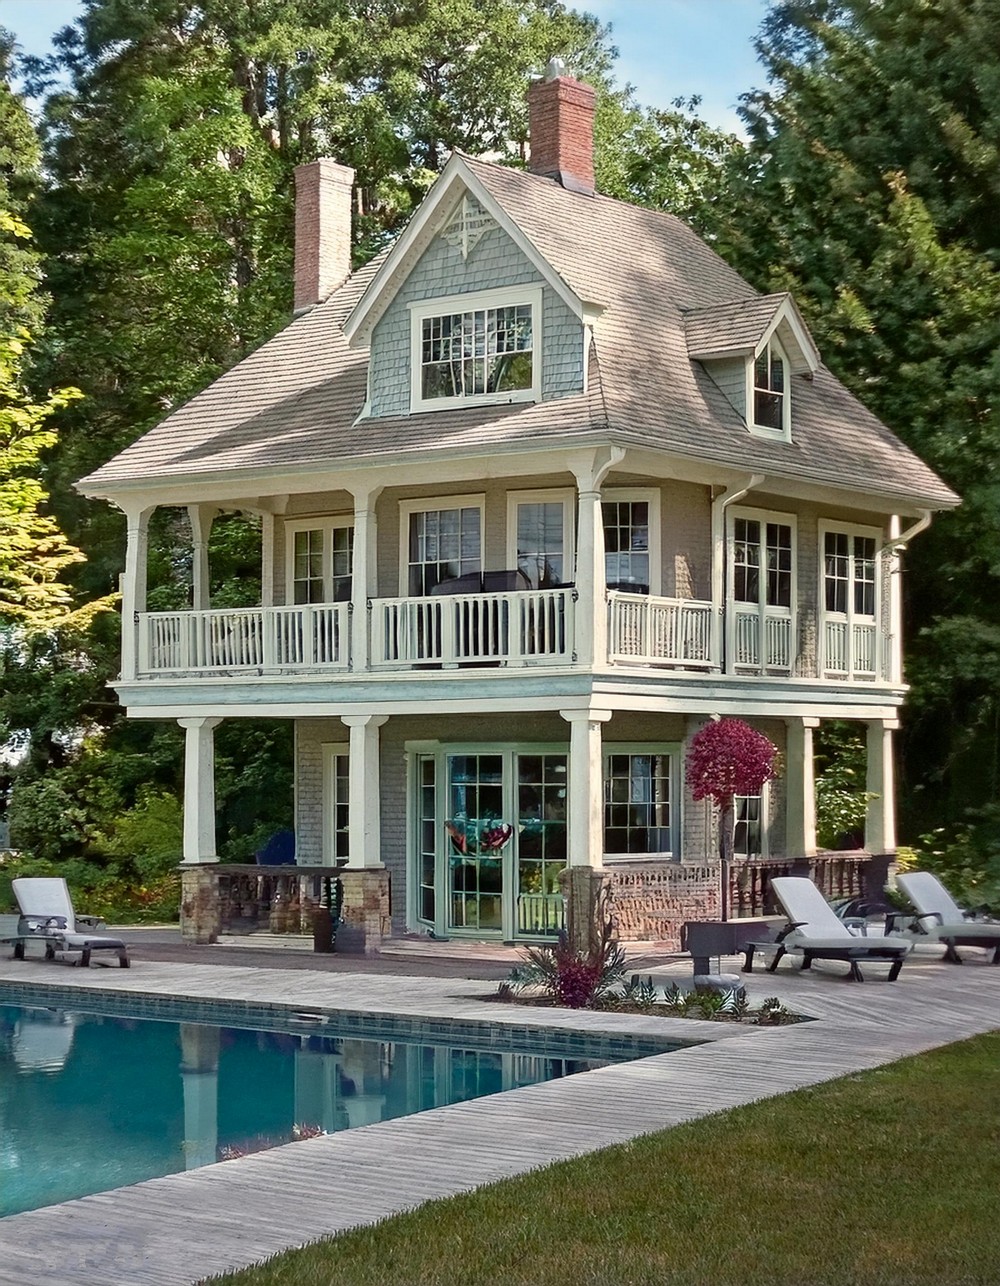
<point x="869" y="188"/>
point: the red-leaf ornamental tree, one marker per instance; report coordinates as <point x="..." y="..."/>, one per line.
<point x="727" y="758"/>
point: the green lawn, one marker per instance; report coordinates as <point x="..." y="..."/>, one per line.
<point x="886" y="1178"/>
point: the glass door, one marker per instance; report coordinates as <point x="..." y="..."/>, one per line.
<point x="477" y="836"/>
<point x="541" y="842"/>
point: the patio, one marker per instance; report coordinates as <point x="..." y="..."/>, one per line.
<point x="183" y="1227"/>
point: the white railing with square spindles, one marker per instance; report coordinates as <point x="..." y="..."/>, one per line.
<point x="646" y="630"/>
<point x="240" y="639"/>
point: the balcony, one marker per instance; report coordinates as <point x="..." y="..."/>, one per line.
<point x="510" y="629"/>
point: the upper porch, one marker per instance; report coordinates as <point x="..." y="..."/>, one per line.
<point x="609" y="567"/>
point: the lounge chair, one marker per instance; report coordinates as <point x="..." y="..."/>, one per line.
<point x="815" y="931"/>
<point x="47" y="916"/>
<point x="939" y="918"/>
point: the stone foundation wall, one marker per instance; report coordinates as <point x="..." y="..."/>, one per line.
<point x="652" y="900"/>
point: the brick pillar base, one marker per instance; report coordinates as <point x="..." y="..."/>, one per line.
<point x="582" y="887"/>
<point x="365" y="918"/>
<point x="201" y="918"/>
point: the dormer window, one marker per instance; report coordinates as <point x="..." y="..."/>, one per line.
<point x="472" y="349"/>
<point x="770" y="391"/>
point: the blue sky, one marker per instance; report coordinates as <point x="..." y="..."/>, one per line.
<point x="668" y="48"/>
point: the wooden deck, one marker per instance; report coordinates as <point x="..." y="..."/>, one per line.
<point x="181" y="1228"/>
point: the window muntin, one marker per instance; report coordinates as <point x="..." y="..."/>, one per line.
<point x="770" y="394"/>
<point x="762" y="562"/>
<point x="638" y="808"/>
<point x="320" y="558"/>
<point x="476" y="348"/>
<point x="441" y="542"/>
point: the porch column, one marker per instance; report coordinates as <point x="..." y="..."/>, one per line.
<point x="880" y="818"/>
<point x="894" y="662"/>
<point x="585" y="805"/>
<point x="199" y="790"/>
<point x="364" y="824"/>
<point x="364" y="573"/>
<point x="590" y="624"/>
<point x="800" y="788"/>
<point x="133" y="586"/>
<point x="200" y="1083"/>
<point x="200" y="517"/>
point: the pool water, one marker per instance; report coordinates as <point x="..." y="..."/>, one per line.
<point x="94" y="1101"/>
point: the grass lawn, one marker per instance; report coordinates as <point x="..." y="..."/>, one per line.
<point x="884" y="1178"/>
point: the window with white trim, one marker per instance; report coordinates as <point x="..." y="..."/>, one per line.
<point x="640" y="788"/>
<point x="631" y="536"/>
<point x="761" y="591"/>
<point x="748" y="826"/>
<point x="336" y="817"/>
<point x="762" y="562"/>
<point x="471" y="349"/>
<point x="441" y="541"/>
<point x="320" y="556"/>
<point x="769" y="392"/>
<point x="540" y="537"/>
<point x="850" y="570"/>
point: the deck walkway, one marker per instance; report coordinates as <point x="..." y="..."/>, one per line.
<point x="176" y="1230"/>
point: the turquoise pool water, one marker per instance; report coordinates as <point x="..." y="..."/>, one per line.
<point x="91" y="1101"/>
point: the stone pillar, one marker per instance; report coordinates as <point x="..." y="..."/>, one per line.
<point x="133" y="589"/>
<point x="880" y="819"/>
<point x="364" y="579"/>
<point x="800" y="788"/>
<point x="581" y="887"/>
<point x="200" y="1081"/>
<point x="200" y="517"/>
<point x="365" y="916"/>
<point x="199" y="790"/>
<point x="201" y="919"/>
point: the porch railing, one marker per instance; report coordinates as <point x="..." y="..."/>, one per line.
<point x="837" y="875"/>
<point x="251" y="638"/>
<point x="855" y="650"/>
<point x="270" y="899"/>
<point x="648" y="630"/>
<point x="459" y="629"/>
<point x="761" y="640"/>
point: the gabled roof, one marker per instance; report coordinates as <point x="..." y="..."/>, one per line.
<point x="743" y="328"/>
<point x="644" y="277"/>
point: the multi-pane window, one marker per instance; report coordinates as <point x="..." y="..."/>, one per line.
<point x="849" y="573"/>
<point x="475" y="353"/>
<point x="339" y="788"/>
<point x="427" y="835"/>
<point x="541" y="542"/>
<point x="443" y="544"/>
<point x="321" y="558"/>
<point x="637" y="803"/>
<point x="748" y="832"/>
<point x="762" y="562"/>
<point x="626" y="545"/>
<point x="769" y="389"/>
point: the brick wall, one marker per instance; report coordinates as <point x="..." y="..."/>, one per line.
<point x="561" y="115"/>
<point x="652" y="900"/>
<point x="322" y="230"/>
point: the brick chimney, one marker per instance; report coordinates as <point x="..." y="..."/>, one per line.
<point x="561" y="129"/>
<point x="322" y="230"/>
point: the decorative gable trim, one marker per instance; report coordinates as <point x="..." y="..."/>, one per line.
<point x="792" y="332"/>
<point x="466" y="226"/>
<point x="438" y="211"/>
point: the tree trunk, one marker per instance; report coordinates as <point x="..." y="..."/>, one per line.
<point x="725" y="854"/>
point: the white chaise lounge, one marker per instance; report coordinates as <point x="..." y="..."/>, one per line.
<point x="47" y="917"/>
<point x="815" y="932"/>
<point x="939" y="918"/>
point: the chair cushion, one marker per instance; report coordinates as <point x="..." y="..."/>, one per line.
<point x="854" y="946"/>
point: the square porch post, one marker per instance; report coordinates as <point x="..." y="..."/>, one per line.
<point x="800" y="792"/>
<point x="880" y="818"/>
<point x="133" y="586"/>
<point x="583" y="878"/>
<point x="366" y="912"/>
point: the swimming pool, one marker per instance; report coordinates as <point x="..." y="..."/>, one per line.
<point x="96" y="1094"/>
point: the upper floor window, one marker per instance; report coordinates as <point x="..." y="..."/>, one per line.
<point x="630" y="540"/>
<point x="852" y="646"/>
<point x="442" y="542"/>
<point x="540" y="537"/>
<point x="319" y="560"/>
<point x="476" y="349"/>
<point x="849" y="573"/>
<point x="762" y="562"/>
<point x="770" y="401"/>
<point x="761" y="626"/>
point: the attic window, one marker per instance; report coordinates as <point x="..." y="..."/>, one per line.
<point x="476" y="349"/>
<point x="771" y="411"/>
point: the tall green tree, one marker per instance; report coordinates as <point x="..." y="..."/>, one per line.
<point x="870" y="188"/>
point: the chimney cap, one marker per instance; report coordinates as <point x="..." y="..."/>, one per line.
<point x="556" y="68"/>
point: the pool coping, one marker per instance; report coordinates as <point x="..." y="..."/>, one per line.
<point x="182" y="1228"/>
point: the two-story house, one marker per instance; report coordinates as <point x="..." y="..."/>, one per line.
<point x="541" y="489"/>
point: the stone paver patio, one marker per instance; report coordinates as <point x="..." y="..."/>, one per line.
<point x="181" y="1228"/>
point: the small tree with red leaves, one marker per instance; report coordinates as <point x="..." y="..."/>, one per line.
<point x="727" y="758"/>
